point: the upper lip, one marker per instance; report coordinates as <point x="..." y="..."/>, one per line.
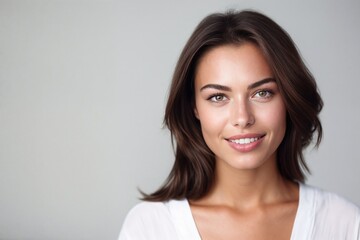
<point x="248" y="135"/>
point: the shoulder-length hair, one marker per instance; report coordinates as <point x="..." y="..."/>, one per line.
<point x="192" y="174"/>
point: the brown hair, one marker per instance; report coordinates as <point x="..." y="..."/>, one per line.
<point x="192" y="175"/>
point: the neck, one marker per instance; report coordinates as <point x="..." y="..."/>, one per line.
<point x="251" y="187"/>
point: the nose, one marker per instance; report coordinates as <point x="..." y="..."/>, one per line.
<point x="241" y="114"/>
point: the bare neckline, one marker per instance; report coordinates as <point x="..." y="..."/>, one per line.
<point x="294" y="228"/>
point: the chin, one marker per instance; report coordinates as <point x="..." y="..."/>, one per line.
<point x="249" y="162"/>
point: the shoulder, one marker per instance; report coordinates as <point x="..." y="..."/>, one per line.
<point x="147" y="214"/>
<point x="147" y="220"/>
<point x="332" y="214"/>
<point x="148" y="210"/>
<point x="329" y="201"/>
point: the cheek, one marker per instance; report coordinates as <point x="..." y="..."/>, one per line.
<point x="212" y="126"/>
<point x="212" y="120"/>
<point x="275" y="118"/>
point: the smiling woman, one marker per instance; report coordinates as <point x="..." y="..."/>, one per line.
<point x="242" y="108"/>
<point x="241" y="112"/>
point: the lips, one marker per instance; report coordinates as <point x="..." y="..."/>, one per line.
<point x="245" y="143"/>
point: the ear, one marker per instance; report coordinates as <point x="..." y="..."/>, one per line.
<point x="196" y="113"/>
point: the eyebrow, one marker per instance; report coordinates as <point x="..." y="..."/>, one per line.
<point x="228" y="89"/>
<point x="261" y="82"/>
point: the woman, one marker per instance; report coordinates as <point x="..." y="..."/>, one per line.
<point x="242" y="107"/>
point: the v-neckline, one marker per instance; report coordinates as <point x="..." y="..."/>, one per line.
<point x="192" y="229"/>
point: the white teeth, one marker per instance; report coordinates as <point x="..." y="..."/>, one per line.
<point x="244" y="140"/>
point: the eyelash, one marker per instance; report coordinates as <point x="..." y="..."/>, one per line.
<point x="269" y="93"/>
<point x="210" y="98"/>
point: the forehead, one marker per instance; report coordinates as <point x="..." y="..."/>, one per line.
<point x="245" y="63"/>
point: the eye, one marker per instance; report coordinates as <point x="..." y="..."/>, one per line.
<point x="217" y="98"/>
<point x="263" y="94"/>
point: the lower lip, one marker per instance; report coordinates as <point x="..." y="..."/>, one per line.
<point x="245" y="147"/>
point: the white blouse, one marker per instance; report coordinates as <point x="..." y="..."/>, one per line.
<point x="321" y="215"/>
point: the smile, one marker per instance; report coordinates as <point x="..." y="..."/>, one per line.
<point x="246" y="143"/>
<point x="244" y="140"/>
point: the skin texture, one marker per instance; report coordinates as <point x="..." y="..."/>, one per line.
<point x="237" y="97"/>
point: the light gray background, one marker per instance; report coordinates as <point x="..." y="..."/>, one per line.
<point x="83" y="86"/>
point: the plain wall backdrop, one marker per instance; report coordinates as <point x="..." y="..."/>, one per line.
<point x="83" y="86"/>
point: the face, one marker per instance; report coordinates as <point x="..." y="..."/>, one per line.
<point x="242" y="114"/>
